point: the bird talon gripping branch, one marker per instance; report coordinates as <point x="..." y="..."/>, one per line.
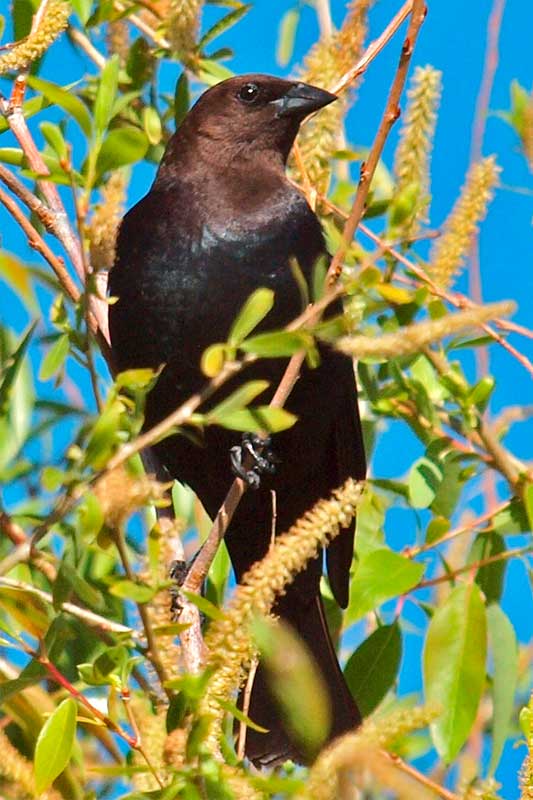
<point x="258" y="451"/>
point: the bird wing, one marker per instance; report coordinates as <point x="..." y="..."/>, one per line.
<point x="351" y="463"/>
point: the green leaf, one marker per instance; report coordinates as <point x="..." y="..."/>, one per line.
<point x="371" y="671"/>
<point x="106" y="94"/>
<point x="504" y="679"/>
<point x="237" y="400"/>
<point x="490" y="577"/>
<point x="260" y="418"/>
<point x="512" y="519"/>
<point x="83" y="9"/>
<point x="425" y="478"/>
<point x="203" y="605"/>
<point x="54" y="745"/>
<point x="454" y="667"/>
<point x="182" y="99"/>
<point x="236" y="712"/>
<point x="213" y="359"/>
<point x="450" y="488"/>
<point x="380" y="575"/>
<point x="211" y="72"/>
<point x="65" y="99"/>
<point x="296" y="683"/>
<point x="369" y="524"/>
<point x="286" y="36"/>
<point x="15" y="273"/>
<point x="277" y="344"/>
<point x="91" y="516"/>
<point x="54" y="136"/>
<point x="437" y="528"/>
<point x="254" y="310"/>
<point x="13" y="368"/>
<point x="121" y="146"/>
<point x="528" y="502"/>
<point x="55" y="358"/>
<point x="223" y="25"/>
<point x="84" y="590"/>
<point x="152" y="125"/>
<point x="131" y="590"/>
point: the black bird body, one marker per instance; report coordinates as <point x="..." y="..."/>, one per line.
<point x="220" y="221"/>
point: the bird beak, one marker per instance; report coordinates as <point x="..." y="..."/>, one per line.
<point x="301" y="100"/>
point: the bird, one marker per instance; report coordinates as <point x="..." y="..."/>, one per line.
<point x="221" y="220"/>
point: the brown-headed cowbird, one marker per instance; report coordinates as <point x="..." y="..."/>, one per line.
<point x="221" y="220"/>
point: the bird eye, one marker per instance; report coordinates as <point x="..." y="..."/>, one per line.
<point x="248" y="93"/>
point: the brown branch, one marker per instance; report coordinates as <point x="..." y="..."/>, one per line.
<point x="37" y="243"/>
<point x="85" y="44"/>
<point x="420" y="777"/>
<point x="373" y="49"/>
<point x="475" y="565"/>
<point x="455" y="299"/>
<point x="13" y="113"/>
<point x="411" y="552"/>
<point x="390" y="115"/>
<point x="153" y="650"/>
<point x="89" y="617"/>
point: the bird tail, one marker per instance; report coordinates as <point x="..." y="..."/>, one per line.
<point x="276" y="746"/>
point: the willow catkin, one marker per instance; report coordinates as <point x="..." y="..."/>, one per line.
<point x="229" y="640"/>
<point x="449" y="253"/>
<point x="413" y="338"/>
<point x="413" y="154"/>
<point x="325" y="63"/>
<point x="21" y="55"/>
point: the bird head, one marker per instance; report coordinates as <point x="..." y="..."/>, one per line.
<point x="249" y="114"/>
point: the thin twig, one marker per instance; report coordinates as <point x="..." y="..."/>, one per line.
<point x="36" y="242"/>
<point x="153" y="650"/>
<point x="411" y="552"/>
<point x="373" y="49"/>
<point x="420" y="777"/>
<point x="246" y="695"/>
<point x="89" y="617"/>
<point x="390" y="115"/>
<point x="474" y="566"/>
<point x="85" y="44"/>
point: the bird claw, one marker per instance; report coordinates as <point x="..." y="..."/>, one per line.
<point x="259" y="450"/>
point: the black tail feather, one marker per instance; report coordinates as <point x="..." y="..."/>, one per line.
<point x="276" y="746"/>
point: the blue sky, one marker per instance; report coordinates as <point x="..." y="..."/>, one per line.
<point x="452" y="40"/>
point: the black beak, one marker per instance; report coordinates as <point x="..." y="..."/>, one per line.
<point x="301" y="100"/>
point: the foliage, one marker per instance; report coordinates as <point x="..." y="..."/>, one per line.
<point x="98" y="695"/>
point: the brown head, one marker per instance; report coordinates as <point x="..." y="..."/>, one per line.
<point x="243" y="116"/>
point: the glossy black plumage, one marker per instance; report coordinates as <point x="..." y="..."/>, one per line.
<point x="221" y="220"/>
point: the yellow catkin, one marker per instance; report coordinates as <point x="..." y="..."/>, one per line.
<point x="18" y="771"/>
<point x="413" y="338"/>
<point x="120" y="494"/>
<point x="362" y="751"/>
<point x="21" y="55"/>
<point x="326" y="62"/>
<point x="182" y="26"/>
<point x="103" y="227"/>
<point x="413" y="154"/>
<point x="450" y="251"/>
<point x="228" y="640"/>
<point x="152" y="726"/>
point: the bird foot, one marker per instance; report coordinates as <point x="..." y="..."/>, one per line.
<point x="256" y="450"/>
<point x="178" y="572"/>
